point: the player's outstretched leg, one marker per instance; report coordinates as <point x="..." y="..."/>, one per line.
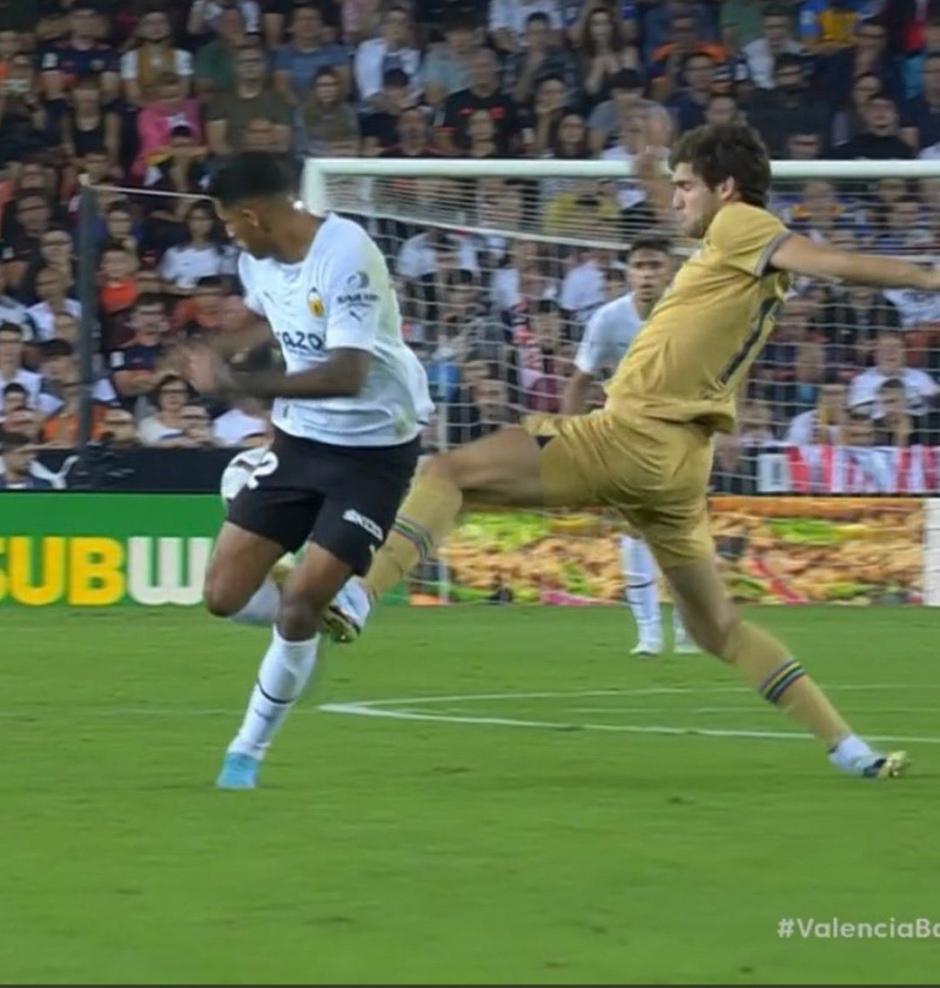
<point x="502" y="468"/>
<point x="642" y="594"/>
<point x="767" y="665"/>
<point x="287" y="665"/>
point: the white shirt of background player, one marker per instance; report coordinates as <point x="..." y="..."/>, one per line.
<point x="610" y="331"/>
<point x="340" y="296"/>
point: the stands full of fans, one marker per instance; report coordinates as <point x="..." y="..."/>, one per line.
<point x="147" y="95"/>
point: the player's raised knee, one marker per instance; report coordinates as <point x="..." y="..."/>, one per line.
<point x="220" y="599"/>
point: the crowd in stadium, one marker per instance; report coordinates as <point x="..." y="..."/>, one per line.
<point x="148" y="95"/>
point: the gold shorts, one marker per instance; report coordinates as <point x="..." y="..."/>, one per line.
<point x="654" y="473"/>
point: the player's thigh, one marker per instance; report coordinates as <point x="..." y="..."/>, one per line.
<point x="359" y="512"/>
<point x="314" y="582"/>
<point x="502" y="468"/>
<point x="699" y="592"/>
<point x="241" y="559"/>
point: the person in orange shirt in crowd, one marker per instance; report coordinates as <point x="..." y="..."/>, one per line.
<point x="62" y="429"/>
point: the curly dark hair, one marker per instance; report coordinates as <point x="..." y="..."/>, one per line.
<point x="722" y="151"/>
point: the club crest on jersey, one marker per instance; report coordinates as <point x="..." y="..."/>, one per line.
<point x="315" y="303"/>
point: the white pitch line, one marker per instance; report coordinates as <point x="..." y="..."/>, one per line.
<point x="394" y="709"/>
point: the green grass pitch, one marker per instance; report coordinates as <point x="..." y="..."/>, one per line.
<point x="476" y="847"/>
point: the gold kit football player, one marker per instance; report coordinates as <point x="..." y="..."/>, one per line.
<point x="648" y="452"/>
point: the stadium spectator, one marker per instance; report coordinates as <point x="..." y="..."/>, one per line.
<point x="379" y="128"/>
<point x="62" y="429"/>
<point x="214" y="65"/>
<point x="205" y="15"/>
<point x="33" y="218"/>
<point x="166" y="428"/>
<point x="376" y="57"/>
<point x="84" y="125"/>
<point x="414" y="139"/>
<point x="327" y="117"/>
<point x="824" y="422"/>
<point x="666" y="61"/>
<point x="849" y="120"/>
<point x="202" y="313"/>
<point x="27" y="422"/>
<point x="80" y="55"/>
<point x="879" y="140"/>
<point x="118" y="428"/>
<point x="509" y="21"/>
<point x="827" y="26"/>
<point x="167" y="110"/>
<point x="919" y="388"/>
<point x="548" y="108"/>
<point x="246" y="423"/>
<point x="483" y="93"/>
<point x="604" y="52"/>
<point x="853" y="316"/>
<point x="626" y="97"/>
<point x="544" y="363"/>
<point x="11" y="310"/>
<point x="138" y="366"/>
<point x="12" y="368"/>
<point x="53" y="301"/>
<point x="202" y="254"/>
<point x="228" y="114"/>
<point x="583" y="287"/>
<point x="920" y="119"/>
<point x="689" y="104"/>
<point x="447" y="68"/>
<point x="788" y="107"/>
<point x="742" y="21"/>
<point x="197" y="426"/>
<point x="297" y="64"/>
<point x="154" y="58"/>
<point x="893" y="424"/>
<point x="870" y="54"/>
<point x="539" y="57"/>
<point x="18" y="455"/>
<point x="15" y="397"/>
<point x="723" y="109"/>
<point x="776" y="40"/>
<point x="659" y="24"/>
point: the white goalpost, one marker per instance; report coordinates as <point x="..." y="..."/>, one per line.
<point x="477" y="246"/>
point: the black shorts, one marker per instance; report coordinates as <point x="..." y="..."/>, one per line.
<point x="343" y="498"/>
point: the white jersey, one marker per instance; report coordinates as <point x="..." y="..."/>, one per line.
<point x="610" y="331"/>
<point x="340" y="296"/>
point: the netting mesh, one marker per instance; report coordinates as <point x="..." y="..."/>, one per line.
<point x="842" y="401"/>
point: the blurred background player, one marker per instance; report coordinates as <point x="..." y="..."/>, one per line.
<point x="610" y="331"/>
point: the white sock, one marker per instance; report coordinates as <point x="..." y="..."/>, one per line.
<point x="262" y="607"/>
<point x="678" y="628"/>
<point x="851" y="753"/>
<point x="284" y="672"/>
<point x="642" y="589"/>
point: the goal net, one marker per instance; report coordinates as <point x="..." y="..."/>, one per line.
<point x="500" y="265"/>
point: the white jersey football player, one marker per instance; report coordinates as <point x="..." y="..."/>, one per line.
<point x="609" y="334"/>
<point x="349" y="406"/>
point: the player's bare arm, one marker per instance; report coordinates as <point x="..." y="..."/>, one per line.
<point x="342" y="375"/>
<point x="251" y="332"/>
<point x="800" y="255"/>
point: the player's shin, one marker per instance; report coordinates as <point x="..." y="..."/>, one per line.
<point x="282" y="676"/>
<point x="262" y="607"/>
<point x="424" y="519"/>
<point x="781" y="680"/>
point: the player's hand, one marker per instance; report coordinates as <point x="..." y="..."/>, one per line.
<point x="207" y="373"/>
